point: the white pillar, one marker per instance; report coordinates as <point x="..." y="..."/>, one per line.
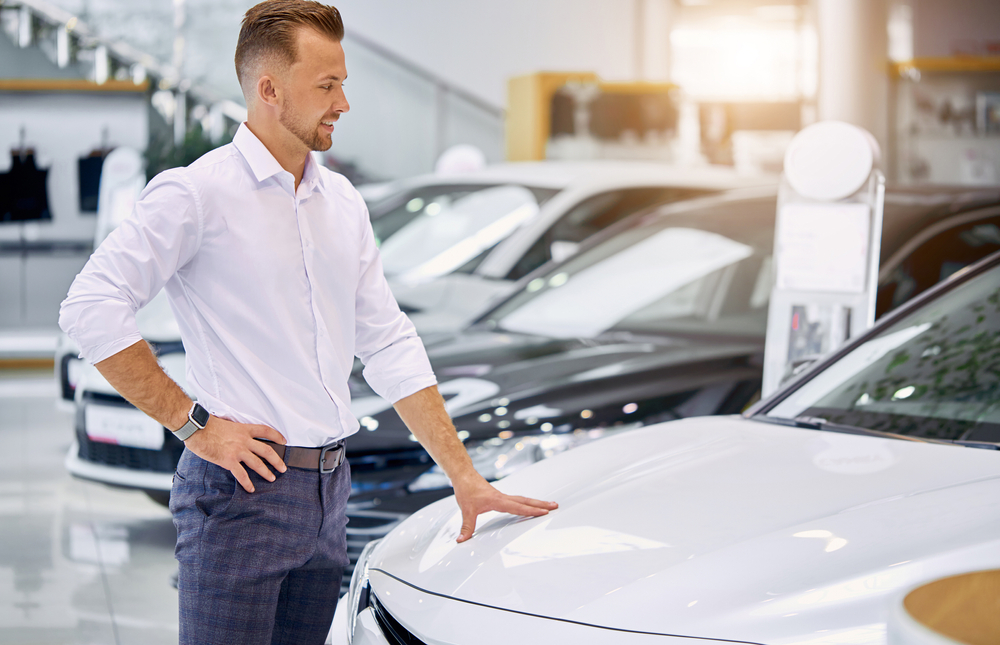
<point x="657" y="20"/>
<point x="24" y="27"/>
<point x="180" y="17"/>
<point x="62" y="46"/>
<point x="853" y="64"/>
<point x="102" y="64"/>
<point x="217" y="123"/>
<point x="180" y="117"/>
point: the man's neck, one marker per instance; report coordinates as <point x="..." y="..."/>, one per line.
<point x="290" y="155"/>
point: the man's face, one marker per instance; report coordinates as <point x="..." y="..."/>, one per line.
<point x="314" y="90"/>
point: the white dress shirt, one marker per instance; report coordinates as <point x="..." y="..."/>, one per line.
<point x="275" y="291"/>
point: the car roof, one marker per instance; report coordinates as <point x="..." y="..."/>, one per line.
<point x="908" y="209"/>
<point x="564" y="174"/>
<point x="914" y="208"/>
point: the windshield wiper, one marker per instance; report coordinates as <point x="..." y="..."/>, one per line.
<point x="819" y="423"/>
<point x="984" y="445"/>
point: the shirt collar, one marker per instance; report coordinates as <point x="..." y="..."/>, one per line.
<point x="311" y="175"/>
<point x="259" y="158"/>
<point x="264" y="165"/>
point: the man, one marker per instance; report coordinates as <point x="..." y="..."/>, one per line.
<point x="271" y="269"/>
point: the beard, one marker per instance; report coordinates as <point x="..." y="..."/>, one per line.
<point x="305" y="131"/>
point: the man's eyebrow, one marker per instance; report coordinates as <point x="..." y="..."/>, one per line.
<point x="333" y="77"/>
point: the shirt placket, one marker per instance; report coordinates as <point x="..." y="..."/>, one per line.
<point x="324" y="350"/>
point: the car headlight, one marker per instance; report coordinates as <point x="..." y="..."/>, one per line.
<point x="69" y="376"/>
<point x="357" y="594"/>
<point x="498" y="457"/>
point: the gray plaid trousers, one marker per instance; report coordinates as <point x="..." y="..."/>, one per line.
<point x="262" y="567"/>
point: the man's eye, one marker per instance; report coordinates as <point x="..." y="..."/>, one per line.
<point x="325" y="87"/>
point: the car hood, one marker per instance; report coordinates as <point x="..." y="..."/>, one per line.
<point x="534" y="380"/>
<point x="717" y="527"/>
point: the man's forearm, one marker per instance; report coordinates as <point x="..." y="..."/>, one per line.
<point x="137" y="376"/>
<point x="424" y="414"/>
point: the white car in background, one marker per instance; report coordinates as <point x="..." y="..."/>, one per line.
<point x="459" y="244"/>
<point x="797" y="522"/>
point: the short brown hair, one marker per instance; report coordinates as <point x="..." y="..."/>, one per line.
<point x="269" y="30"/>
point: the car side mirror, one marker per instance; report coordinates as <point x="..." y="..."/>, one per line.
<point x="562" y="249"/>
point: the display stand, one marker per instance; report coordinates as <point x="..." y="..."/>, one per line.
<point x="826" y="251"/>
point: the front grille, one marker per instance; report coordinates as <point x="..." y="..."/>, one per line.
<point x="382" y="461"/>
<point x="363" y="526"/>
<point x="163" y="460"/>
<point x="375" y="473"/>
<point x="393" y="632"/>
<point x="159" y="461"/>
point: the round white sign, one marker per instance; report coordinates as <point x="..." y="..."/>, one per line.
<point x="830" y="160"/>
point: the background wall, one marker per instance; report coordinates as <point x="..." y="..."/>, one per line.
<point x="955" y="27"/>
<point x="61" y="128"/>
<point x="475" y="46"/>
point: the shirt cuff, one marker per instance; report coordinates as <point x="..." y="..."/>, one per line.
<point x="399" y="370"/>
<point x="410" y="386"/>
<point x="99" y="353"/>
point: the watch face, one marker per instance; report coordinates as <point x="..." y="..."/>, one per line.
<point x="199" y="415"/>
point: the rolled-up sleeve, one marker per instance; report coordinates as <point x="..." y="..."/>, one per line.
<point x="131" y="266"/>
<point x="396" y="364"/>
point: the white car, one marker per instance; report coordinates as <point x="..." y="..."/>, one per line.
<point x="458" y="244"/>
<point x="797" y="522"/>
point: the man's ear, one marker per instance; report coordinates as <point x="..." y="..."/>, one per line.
<point x="267" y="90"/>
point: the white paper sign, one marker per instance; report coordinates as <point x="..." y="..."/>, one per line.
<point x="123" y="427"/>
<point x="823" y="247"/>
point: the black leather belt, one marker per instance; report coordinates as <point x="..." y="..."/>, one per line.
<point x="325" y="459"/>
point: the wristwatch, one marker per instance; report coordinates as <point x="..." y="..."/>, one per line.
<point x="197" y="419"/>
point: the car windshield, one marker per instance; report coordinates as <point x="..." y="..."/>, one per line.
<point x="699" y="271"/>
<point x="935" y="373"/>
<point x="447" y="234"/>
<point x="393" y="209"/>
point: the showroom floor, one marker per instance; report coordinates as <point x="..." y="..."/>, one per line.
<point x="79" y="562"/>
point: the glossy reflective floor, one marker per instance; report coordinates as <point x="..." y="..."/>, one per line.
<point x="79" y="562"/>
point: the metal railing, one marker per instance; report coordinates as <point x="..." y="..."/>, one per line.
<point x="442" y="87"/>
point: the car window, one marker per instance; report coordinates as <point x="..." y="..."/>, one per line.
<point x="592" y="215"/>
<point x="933" y="373"/>
<point x="392" y="213"/>
<point x="705" y="271"/>
<point x="937" y="258"/>
<point x="442" y="239"/>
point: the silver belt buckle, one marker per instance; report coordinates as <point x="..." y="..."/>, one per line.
<point x="323" y="456"/>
